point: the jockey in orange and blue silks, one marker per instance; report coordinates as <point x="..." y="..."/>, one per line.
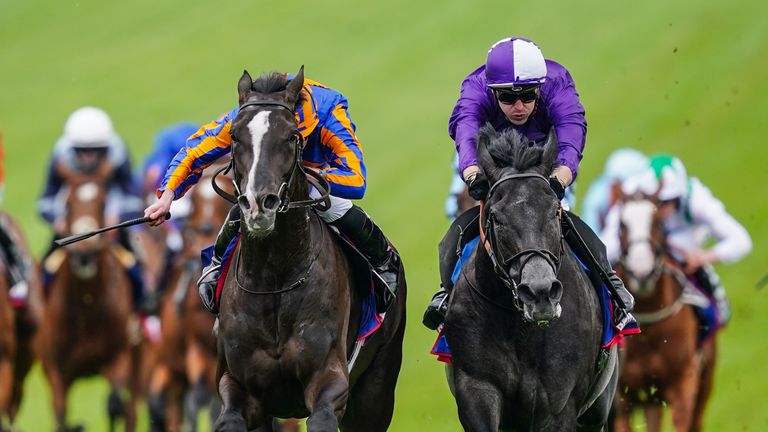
<point x="331" y="147"/>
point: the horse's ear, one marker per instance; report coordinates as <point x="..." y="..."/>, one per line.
<point x="244" y="87"/>
<point x="617" y="194"/>
<point x="296" y="84"/>
<point x="484" y="157"/>
<point x="550" y="150"/>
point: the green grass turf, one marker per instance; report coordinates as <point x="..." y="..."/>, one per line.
<point x="656" y="75"/>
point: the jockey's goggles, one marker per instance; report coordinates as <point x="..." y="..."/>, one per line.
<point x="508" y="97"/>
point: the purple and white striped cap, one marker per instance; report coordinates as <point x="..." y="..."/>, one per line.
<point x="514" y="62"/>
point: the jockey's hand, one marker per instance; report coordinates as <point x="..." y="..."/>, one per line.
<point x="557" y="187"/>
<point x="697" y="258"/>
<point x="478" y="185"/>
<point x="564" y="175"/>
<point x="158" y="210"/>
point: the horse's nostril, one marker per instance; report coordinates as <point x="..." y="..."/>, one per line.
<point x="243" y="202"/>
<point x="526" y="293"/>
<point x="270" y="202"/>
<point x="556" y="291"/>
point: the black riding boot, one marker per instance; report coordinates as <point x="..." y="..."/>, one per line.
<point x="368" y="237"/>
<point x="463" y="229"/>
<point x="206" y="285"/>
<point x="597" y="249"/>
<point x="436" y="310"/>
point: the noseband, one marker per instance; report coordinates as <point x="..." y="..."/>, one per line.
<point x="315" y="179"/>
<point x="490" y="241"/>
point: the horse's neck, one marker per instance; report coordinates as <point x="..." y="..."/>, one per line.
<point x="288" y="245"/>
<point x="96" y="288"/>
<point x="486" y="279"/>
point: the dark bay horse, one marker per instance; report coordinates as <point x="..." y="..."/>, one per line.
<point x="17" y="335"/>
<point x="87" y="308"/>
<point x="524" y="324"/>
<point x="289" y="311"/>
<point x="664" y="364"/>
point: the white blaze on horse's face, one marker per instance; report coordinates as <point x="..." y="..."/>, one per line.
<point x="87" y="192"/>
<point x="258" y="127"/>
<point x="637" y="217"/>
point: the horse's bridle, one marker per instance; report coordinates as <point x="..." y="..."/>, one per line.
<point x="659" y="253"/>
<point x="315" y="179"/>
<point x="491" y="243"/>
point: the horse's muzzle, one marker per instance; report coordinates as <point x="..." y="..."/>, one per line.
<point x="259" y="213"/>
<point x="541" y="299"/>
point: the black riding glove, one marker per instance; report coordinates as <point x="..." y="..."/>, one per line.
<point x="478" y="186"/>
<point x="557" y="187"/>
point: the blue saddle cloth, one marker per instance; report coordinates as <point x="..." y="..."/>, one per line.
<point x="612" y="333"/>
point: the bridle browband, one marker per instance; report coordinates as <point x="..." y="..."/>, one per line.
<point x="490" y="242"/>
<point x="317" y="180"/>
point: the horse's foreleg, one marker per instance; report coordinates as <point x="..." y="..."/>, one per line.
<point x="326" y="398"/>
<point x="654" y="414"/>
<point x="233" y="402"/>
<point x="6" y="387"/>
<point x="59" y="390"/>
<point x="195" y="399"/>
<point x="479" y="404"/>
<point x="158" y="382"/>
<point x="708" y="361"/>
<point x="118" y="373"/>
<point x="198" y="396"/>
<point x="682" y="396"/>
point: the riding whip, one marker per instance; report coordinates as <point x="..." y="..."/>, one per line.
<point x="79" y="237"/>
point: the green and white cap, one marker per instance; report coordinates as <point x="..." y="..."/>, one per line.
<point x="671" y="172"/>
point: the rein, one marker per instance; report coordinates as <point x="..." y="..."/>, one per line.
<point x="299" y="282"/>
<point x="686" y="297"/>
<point x="489" y="240"/>
<point x="663" y="264"/>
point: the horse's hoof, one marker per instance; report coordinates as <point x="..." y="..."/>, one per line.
<point x="230" y="423"/>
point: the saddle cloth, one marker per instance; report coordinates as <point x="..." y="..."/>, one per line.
<point x="613" y="331"/>
<point x="365" y="280"/>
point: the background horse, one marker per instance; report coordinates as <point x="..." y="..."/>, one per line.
<point x="7" y="346"/>
<point x="185" y="374"/>
<point x="87" y="309"/>
<point x="18" y="335"/>
<point x="664" y="364"/>
<point x="516" y="366"/>
<point x="290" y="310"/>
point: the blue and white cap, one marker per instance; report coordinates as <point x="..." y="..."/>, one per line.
<point x="515" y="62"/>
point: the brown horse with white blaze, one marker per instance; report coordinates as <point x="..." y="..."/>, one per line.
<point x="665" y="363"/>
<point x="88" y="308"/>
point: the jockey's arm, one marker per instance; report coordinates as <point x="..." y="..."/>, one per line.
<point x="46" y="205"/>
<point x="202" y="148"/>
<point x="610" y="234"/>
<point x="732" y="239"/>
<point x="346" y="173"/>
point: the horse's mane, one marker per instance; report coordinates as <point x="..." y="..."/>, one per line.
<point x="274" y="82"/>
<point x="511" y="149"/>
<point x="270" y="82"/>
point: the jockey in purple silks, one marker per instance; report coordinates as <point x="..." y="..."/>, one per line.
<point x="517" y="88"/>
